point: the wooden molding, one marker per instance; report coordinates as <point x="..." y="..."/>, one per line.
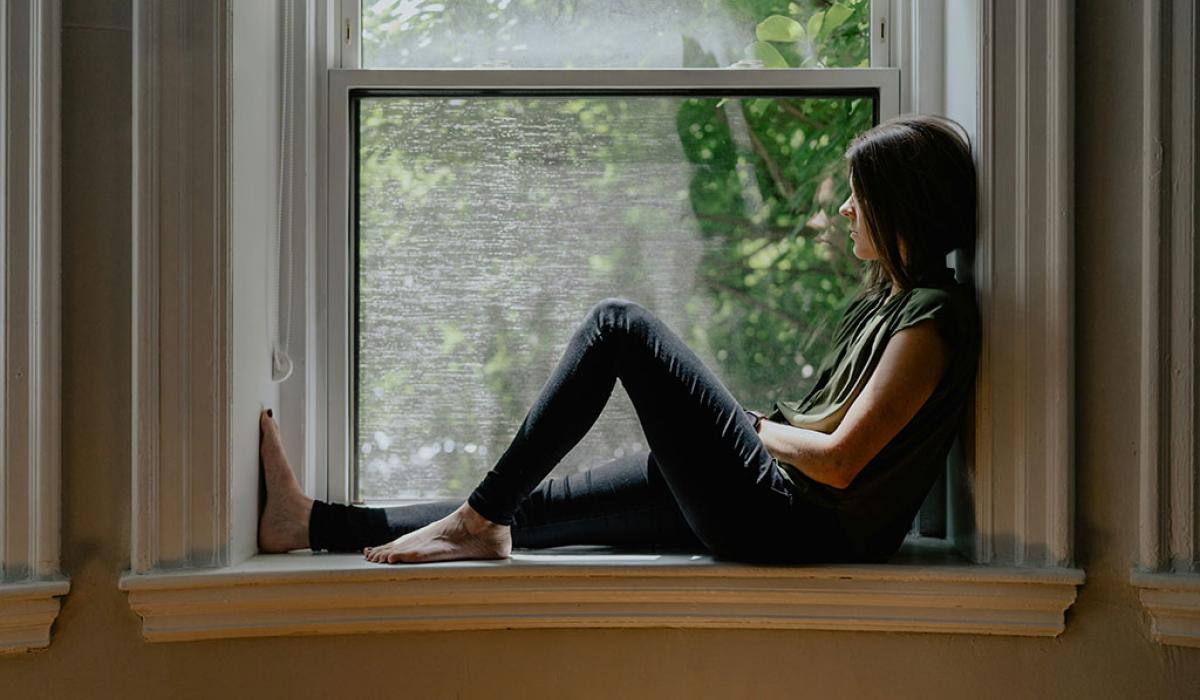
<point x="30" y="329"/>
<point x="181" y="289"/>
<point x="302" y="594"/>
<point x="1173" y="601"/>
<point x="1021" y="489"/>
<point x="27" y="611"/>
<point x="1169" y="510"/>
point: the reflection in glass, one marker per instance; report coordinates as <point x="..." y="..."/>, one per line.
<point x="489" y="226"/>
<point x="610" y="33"/>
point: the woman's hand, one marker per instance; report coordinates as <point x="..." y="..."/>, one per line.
<point x="758" y="419"/>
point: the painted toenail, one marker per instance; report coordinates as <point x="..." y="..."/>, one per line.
<point x="270" y="414"/>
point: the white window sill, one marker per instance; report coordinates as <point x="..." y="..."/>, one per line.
<point x="926" y="588"/>
<point x="27" y="611"/>
<point x="1173" y="601"/>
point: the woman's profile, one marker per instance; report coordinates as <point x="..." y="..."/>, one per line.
<point x="838" y="475"/>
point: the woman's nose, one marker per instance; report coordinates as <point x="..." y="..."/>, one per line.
<point x="846" y="210"/>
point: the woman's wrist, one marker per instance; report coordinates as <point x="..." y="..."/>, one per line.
<point x="758" y="419"/>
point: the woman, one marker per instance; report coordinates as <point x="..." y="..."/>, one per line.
<point x="836" y="476"/>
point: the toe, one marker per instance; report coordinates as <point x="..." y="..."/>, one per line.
<point x="267" y="423"/>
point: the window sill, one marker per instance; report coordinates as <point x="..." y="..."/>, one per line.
<point x="27" y="611"/>
<point x="1173" y="601"/>
<point x="926" y="588"/>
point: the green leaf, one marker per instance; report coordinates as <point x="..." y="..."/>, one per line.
<point x="835" y="17"/>
<point x="451" y="337"/>
<point x="694" y="55"/>
<point x="779" y="28"/>
<point x="766" y="53"/>
<point x="815" y="23"/>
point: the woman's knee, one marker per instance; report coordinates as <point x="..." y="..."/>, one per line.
<point x="622" y="315"/>
<point x="614" y="307"/>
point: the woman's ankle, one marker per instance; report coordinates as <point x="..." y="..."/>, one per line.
<point x="475" y="521"/>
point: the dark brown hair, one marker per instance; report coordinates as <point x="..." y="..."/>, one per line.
<point x="914" y="180"/>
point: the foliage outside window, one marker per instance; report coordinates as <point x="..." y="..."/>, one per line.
<point x="489" y="225"/>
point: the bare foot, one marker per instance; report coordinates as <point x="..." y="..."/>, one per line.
<point x="464" y="534"/>
<point x="283" y="525"/>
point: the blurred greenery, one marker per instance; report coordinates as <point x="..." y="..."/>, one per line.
<point x="766" y="178"/>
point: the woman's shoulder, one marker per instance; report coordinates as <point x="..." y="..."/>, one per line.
<point x="951" y="305"/>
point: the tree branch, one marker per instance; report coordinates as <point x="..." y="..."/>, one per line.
<point x="800" y="116"/>
<point x="745" y="296"/>
<point x="777" y="177"/>
<point x="776" y="233"/>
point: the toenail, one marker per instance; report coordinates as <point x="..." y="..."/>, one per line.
<point x="270" y="414"/>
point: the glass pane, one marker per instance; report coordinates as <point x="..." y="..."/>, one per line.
<point x="490" y="225"/>
<point x="613" y="33"/>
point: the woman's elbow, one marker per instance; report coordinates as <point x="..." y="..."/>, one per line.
<point x="841" y="471"/>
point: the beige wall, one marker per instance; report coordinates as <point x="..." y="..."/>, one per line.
<point x="1105" y="652"/>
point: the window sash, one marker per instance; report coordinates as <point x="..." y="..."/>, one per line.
<point x="348" y="33"/>
<point x="334" y="312"/>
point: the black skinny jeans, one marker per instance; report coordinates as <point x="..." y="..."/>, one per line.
<point x="706" y="484"/>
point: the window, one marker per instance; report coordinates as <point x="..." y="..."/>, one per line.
<point x="484" y="223"/>
<point x="193" y="511"/>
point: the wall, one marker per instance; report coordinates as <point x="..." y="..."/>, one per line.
<point x="1105" y="652"/>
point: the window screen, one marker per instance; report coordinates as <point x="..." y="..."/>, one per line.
<point x="487" y="226"/>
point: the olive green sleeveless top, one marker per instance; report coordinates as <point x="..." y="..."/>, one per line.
<point x="877" y="509"/>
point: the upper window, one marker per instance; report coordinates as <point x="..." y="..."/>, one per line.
<point x="613" y="33"/>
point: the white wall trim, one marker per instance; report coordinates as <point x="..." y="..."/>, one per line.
<point x="1169" y="508"/>
<point x="1015" y="504"/>
<point x="1059" y="257"/>
<point x="301" y="594"/>
<point x="975" y="522"/>
<point x="30" y="330"/>
<point x="27" y="612"/>
<point x="1173" y="601"/>
<point x="1021" y="488"/>
<point x="181" y="294"/>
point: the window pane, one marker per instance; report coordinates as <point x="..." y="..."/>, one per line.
<point x="490" y="225"/>
<point x="613" y="33"/>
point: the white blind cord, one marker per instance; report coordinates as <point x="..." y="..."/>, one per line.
<point x="281" y="295"/>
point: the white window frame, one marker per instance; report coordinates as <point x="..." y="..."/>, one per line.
<point x="1016" y="528"/>
<point x="335" y="301"/>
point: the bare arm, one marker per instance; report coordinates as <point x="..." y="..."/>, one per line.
<point x="909" y="370"/>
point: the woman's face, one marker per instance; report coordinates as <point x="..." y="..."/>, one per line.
<point x="863" y="250"/>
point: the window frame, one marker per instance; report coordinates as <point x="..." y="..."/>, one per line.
<point x="335" y="411"/>
<point x="200" y="578"/>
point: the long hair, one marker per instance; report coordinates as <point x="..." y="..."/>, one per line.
<point x="914" y="180"/>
